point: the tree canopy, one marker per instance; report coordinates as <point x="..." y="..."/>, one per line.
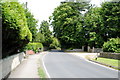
<point x="94" y="27"/>
<point x="111" y="18"/>
<point x="15" y="32"/>
<point x="45" y="31"/>
<point x="68" y="24"/>
<point x="32" y="23"/>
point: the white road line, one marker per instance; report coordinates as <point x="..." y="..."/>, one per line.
<point x="44" y="66"/>
<point x="102" y="65"/>
<point x="97" y="63"/>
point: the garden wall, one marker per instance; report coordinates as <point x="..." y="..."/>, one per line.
<point x="10" y="63"/>
<point x="110" y="55"/>
<point x="95" y="50"/>
<point x="76" y="50"/>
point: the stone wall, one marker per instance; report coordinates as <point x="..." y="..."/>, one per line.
<point x="110" y="55"/>
<point x="10" y="63"/>
<point x="75" y="50"/>
<point x="95" y="50"/>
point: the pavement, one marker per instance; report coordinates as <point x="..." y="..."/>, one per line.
<point x="28" y="68"/>
<point x="62" y="65"/>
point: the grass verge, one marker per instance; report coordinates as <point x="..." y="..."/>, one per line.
<point x="41" y="73"/>
<point x="111" y="62"/>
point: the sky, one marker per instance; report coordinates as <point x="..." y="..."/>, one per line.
<point x="42" y="9"/>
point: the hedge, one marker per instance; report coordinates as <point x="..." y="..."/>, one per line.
<point x="113" y="45"/>
<point x="36" y="47"/>
<point x="15" y="32"/>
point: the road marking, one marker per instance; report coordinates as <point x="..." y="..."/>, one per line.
<point x="45" y="67"/>
<point x="102" y="65"/>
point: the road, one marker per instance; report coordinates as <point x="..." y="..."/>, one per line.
<point x="63" y="65"/>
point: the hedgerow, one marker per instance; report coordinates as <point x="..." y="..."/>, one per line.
<point x="15" y="32"/>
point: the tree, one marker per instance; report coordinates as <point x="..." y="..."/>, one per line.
<point x="15" y="32"/>
<point x="55" y="43"/>
<point x="32" y="23"/>
<point x="102" y="23"/>
<point x="68" y="24"/>
<point x="0" y="10"/>
<point x="111" y="19"/>
<point x="39" y="38"/>
<point x="94" y="27"/>
<point x="44" y="30"/>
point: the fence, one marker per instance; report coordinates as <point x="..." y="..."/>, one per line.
<point x="10" y="63"/>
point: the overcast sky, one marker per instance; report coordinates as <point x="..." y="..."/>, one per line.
<point x="42" y="9"/>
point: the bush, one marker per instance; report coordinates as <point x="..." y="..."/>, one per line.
<point x="15" y="32"/>
<point x="113" y="45"/>
<point x="36" y="47"/>
<point x="55" y="43"/>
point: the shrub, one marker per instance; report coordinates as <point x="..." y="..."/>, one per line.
<point x="15" y="32"/>
<point x="113" y="45"/>
<point x="36" y="47"/>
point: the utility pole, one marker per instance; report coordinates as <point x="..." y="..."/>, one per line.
<point x="26" y="4"/>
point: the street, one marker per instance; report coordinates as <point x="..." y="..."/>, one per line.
<point x="63" y="65"/>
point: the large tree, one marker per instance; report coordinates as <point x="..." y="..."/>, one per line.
<point x="111" y="19"/>
<point x="94" y="27"/>
<point x="32" y="23"/>
<point x="39" y="38"/>
<point x="68" y="24"/>
<point x="15" y="32"/>
<point x="45" y="31"/>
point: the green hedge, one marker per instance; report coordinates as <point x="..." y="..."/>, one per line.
<point x="113" y="45"/>
<point x="36" y="47"/>
<point x="15" y="32"/>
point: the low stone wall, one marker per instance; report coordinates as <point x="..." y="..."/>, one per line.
<point x="95" y="50"/>
<point x="76" y="50"/>
<point x="110" y="55"/>
<point x="86" y="55"/>
<point x="10" y="63"/>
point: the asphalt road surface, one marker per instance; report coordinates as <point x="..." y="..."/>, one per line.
<point x="63" y="65"/>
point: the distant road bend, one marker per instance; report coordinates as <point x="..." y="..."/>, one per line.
<point x="63" y="65"/>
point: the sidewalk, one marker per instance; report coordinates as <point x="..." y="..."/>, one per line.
<point x="28" y="68"/>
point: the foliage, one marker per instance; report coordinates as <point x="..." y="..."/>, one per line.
<point x="55" y="43"/>
<point x="36" y="47"/>
<point x="39" y="38"/>
<point x="42" y="73"/>
<point x="32" y="23"/>
<point x="15" y="32"/>
<point x="0" y="10"/>
<point x="94" y="27"/>
<point x="111" y="18"/>
<point x="2" y="1"/>
<point x="44" y="30"/>
<point x="113" y="45"/>
<point x="68" y="24"/>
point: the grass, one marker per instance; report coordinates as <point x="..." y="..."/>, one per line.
<point x="112" y="62"/>
<point x="41" y="73"/>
